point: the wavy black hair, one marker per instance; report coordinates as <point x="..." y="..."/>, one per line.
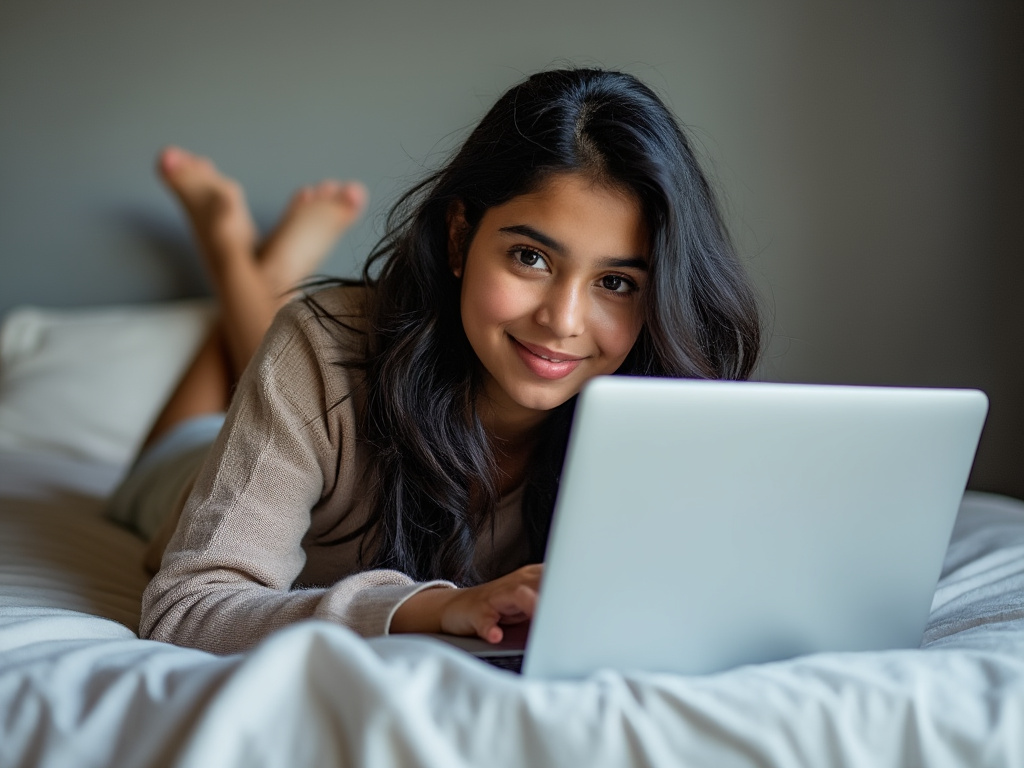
<point x="433" y="470"/>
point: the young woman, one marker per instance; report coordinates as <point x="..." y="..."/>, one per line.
<point x="390" y="455"/>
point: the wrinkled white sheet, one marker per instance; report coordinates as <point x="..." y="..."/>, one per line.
<point x="82" y="690"/>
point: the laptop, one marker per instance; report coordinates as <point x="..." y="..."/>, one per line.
<point x="704" y="525"/>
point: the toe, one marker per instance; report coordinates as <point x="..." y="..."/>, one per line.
<point x="354" y="195"/>
<point x="176" y="164"/>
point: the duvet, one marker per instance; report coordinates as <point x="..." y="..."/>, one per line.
<point x="78" y="688"/>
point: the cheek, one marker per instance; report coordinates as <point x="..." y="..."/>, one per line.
<point x="616" y="330"/>
<point x="491" y="299"/>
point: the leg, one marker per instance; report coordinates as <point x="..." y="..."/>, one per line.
<point x="204" y="387"/>
<point x="250" y="285"/>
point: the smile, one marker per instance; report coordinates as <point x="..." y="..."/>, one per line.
<point x="546" y="363"/>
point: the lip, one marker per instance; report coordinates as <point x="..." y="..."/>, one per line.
<point x="546" y="363"/>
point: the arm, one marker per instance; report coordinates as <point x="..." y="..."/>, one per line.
<point x="226" y="577"/>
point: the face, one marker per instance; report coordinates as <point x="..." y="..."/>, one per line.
<point x="551" y="286"/>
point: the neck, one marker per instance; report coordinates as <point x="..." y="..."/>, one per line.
<point x="509" y="428"/>
<point x="512" y="439"/>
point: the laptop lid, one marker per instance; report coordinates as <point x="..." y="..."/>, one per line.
<point x="703" y="525"/>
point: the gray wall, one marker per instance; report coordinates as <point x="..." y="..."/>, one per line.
<point x="868" y="153"/>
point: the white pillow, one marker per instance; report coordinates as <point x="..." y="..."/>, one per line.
<point x="89" y="383"/>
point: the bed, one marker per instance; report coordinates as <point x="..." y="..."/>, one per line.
<point x="79" y="688"/>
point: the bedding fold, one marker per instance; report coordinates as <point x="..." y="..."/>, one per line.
<point x="317" y="694"/>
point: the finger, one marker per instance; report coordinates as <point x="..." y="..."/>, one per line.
<point x="531" y="575"/>
<point x="521" y="601"/>
<point x="533" y="571"/>
<point x="486" y="627"/>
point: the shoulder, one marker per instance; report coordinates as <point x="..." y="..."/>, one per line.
<point x="340" y="301"/>
<point x="337" y="305"/>
<point x="315" y="346"/>
<point x="332" y="322"/>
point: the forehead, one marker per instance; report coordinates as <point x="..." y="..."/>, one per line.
<point x="578" y="212"/>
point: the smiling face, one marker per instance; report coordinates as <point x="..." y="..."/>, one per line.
<point x="550" y="298"/>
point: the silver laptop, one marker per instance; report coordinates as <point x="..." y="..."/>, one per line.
<point x="704" y="525"/>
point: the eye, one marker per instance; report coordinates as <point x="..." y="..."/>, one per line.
<point x="618" y="284"/>
<point x="528" y="257"/>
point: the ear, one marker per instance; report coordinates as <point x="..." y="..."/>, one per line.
<point x="457" y="231"/>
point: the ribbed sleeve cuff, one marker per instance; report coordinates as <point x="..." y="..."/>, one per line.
<point x="366" y="602"/>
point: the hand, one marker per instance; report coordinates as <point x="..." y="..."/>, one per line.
<point x="478" y="610"/>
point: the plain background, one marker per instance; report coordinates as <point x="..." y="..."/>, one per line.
<point x="868" y="154"/>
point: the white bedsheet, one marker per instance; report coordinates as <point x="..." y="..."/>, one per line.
<point x="77" y="688"/>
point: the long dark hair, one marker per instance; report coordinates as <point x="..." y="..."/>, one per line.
<point x="433" y="471"/>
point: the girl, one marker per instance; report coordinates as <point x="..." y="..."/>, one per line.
<point x="390" y="456"/>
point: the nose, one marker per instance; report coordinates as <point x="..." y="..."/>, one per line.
<point x="563" y="308"/>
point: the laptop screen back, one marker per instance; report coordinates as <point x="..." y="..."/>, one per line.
<point x="703" y="525"/>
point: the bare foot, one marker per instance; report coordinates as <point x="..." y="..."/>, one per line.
<point x="310" y="226"/>
<point x="215" y="206"/>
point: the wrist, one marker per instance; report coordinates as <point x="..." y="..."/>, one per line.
<point x="421" y="611"/>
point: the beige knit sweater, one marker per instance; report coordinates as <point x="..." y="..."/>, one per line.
<point x="253" y="548"/>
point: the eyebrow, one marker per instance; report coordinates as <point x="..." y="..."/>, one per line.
<point x="547" y="241"/>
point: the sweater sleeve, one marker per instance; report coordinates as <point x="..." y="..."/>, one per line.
<point x="226" y="578"/>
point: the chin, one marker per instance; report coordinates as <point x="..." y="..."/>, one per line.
<point x="545" y="401"/>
